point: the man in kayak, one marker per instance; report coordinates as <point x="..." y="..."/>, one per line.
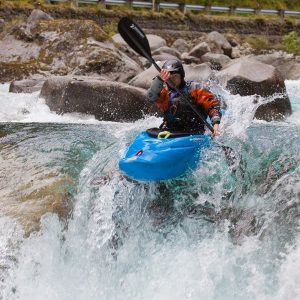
<point x="178" y="115"/>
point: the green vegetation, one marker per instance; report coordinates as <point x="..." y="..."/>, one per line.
<point x="291" y="42"/>
<point x="110" y="28"/>
<point x="258" y="42"/>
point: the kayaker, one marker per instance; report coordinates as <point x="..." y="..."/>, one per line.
<point x="178" y="116"/>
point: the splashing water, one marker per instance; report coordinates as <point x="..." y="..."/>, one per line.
<point x="212" y="234"/>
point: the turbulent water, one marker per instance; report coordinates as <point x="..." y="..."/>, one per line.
<point x="216" y="233"/>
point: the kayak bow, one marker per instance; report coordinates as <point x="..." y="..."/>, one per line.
<point x="151" y="158"/>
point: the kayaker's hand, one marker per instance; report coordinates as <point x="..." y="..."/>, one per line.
<point x="216" y="130"/>
<point x="164" y="75"/>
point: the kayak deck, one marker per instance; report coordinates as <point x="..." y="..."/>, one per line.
<point x="150" y="158"/>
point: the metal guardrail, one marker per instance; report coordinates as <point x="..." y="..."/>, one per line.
<point x="157" y="5"/>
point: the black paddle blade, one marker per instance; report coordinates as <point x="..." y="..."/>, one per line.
<point x="135" y="37"/>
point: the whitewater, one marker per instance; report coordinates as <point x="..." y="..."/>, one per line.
<point x="212" y="234"/>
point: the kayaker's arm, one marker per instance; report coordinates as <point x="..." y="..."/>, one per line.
<point x="153" y="92"/>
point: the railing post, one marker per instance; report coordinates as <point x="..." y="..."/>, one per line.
<point x="207" y="9"/>
<point x="281" y="13"/>
<point x="182" y="8"/>
<point x="129" y="4"/>
<point x="75" y="2"/>
<point x="155" y="5"/>
<point x="257" y="11"/>
<point x="232" y="10"/>
<point x="102" y="2"/>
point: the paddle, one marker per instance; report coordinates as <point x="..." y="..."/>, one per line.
<point x="137" y="40"/>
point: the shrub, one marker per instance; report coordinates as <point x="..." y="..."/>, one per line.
<point x="291" y="42"/>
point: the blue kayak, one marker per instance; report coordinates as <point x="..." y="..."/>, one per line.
<point x="164" y="156"/>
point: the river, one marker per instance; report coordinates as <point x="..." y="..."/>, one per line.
<point x="215" y="233"/>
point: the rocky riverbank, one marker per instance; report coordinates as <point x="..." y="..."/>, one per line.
<point x="87" y="60"/>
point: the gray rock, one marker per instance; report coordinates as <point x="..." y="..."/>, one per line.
<point x="187" y="59"/>
<point x="199" y="50"/>
<point x="155" y="41"/>
<point x="248" y="77"/>
<point x="107" y="100"/>
<point x="218" y="43"/>
<point x="218" y="61"/>
<point x="26" y="86"/>
<point x="245" y="49"/>
<point x="118" y="39"/>
<point x="2" y="23"/>
<point x="163" y="57"/>
<point x="166" y="50"/>
<point x="286" y="64"/>
<point x="180" y="45"/>
<point x="144" y="79"/>
<point x="235" y="53"/>
<point x="232" y="40"/>
<point x="199" y="73"/>
<point x="193" y="72"/>
<point x="38" y="14"/>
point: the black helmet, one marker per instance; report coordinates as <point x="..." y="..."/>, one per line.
<point x="174" y="65"/>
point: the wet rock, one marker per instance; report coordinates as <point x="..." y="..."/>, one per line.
<point x="218" y="61"/>
<point x="180" y="45"/>
<point x="199" y="50"/>
<point x="218" y="43"/>
<point x="250" y="77"/>
<point x="26" y="86"/>
<point x="38" y="14"/>
<point x="107" y="100"/>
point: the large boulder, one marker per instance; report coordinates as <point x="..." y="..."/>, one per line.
<point x="200" y="73"/>
<point x="286" y="63"/>
<point x="250" y="77"/>
<point x="144" y="79"/>
<point x="26" y="86"/>
<point x="106" y="100"/>
<point x="218" y="61"/>
<point x="180" y="45"/>
<point x="156" y="41"/>
<point x="199" y="50"/>
<point x="218" y="43"/>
